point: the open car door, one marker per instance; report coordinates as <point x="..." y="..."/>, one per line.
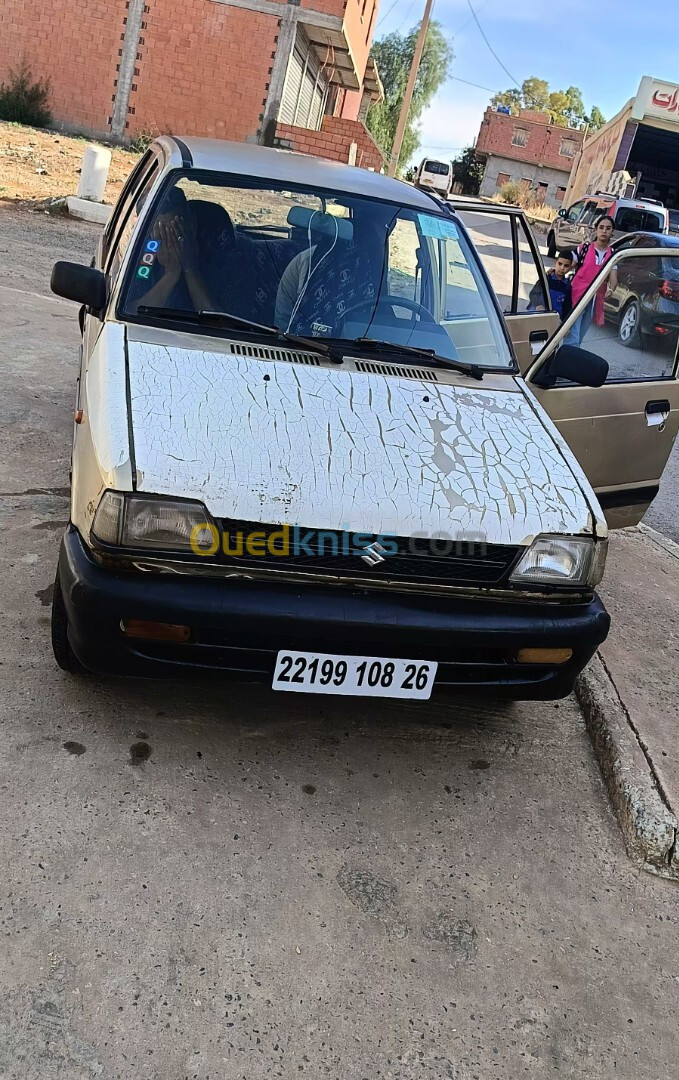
<point x="623" y="430"/>
<point x="512" y="261"/>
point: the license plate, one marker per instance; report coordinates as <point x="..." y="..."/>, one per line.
<point x="363" y="676"/>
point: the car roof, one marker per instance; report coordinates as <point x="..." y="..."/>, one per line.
<point x="268" y="163"/>
<point x="655" y="240"/>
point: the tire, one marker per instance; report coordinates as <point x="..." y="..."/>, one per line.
<point x="61" y="646"/>
<point x="551" y="245"/>
<point x="629" y="327"/>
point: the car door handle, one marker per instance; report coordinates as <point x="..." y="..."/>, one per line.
<point x="537" y="339"/>
<point x="657" y="413"/>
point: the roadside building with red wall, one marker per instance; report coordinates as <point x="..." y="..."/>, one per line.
<point x="528" y="149"/>
<point x="229" y="69"/>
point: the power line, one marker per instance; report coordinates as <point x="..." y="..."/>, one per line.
<point x="406" y="16"/>
<point x="466" y="23"/>
<point x="483" y="35"/>
<point x="387" y="13"/>
<point x="478" y="86"/>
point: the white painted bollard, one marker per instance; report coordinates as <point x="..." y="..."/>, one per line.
<point x="94" y="173"/>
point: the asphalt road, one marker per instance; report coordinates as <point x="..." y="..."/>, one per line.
<point x="206" y="881"/>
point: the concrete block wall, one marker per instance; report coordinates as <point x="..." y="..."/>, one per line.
<point x="333" y="141"/>
<point x="204" y="69"/>
<point x="555" y="179"/>
<point x="544" y="140"/>
<point x="77" y="48"/>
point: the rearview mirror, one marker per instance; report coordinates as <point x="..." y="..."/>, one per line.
<point x="83" y="284"/>
<point x="574" y="364"/>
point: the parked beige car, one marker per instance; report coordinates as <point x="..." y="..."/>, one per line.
<point x="305" y="453"/>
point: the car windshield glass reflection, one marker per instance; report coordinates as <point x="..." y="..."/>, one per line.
<point x="315" y="265"/>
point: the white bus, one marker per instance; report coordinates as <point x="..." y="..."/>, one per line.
<point x="436" y="176"/>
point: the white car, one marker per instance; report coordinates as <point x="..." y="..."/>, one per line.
<point x="303" y="451"/>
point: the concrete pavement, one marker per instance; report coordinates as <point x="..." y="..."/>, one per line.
<point x="207" y="881"/>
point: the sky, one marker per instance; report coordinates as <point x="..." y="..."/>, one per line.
<point x="599" y="45"/>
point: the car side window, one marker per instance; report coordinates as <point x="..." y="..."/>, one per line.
<point x="630" y="332"/>
<point x="592" y="211"/>
<point x="404" y="245"/>
<point x="575" y="212"/>
<point x="128" y="220"/>
<point x="112" y="229"/>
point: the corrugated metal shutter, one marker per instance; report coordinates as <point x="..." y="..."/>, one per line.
<point x="291" y="86"/>
<point x="305" y="89"/>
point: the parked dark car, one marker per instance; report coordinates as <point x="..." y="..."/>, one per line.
<point x="646" y="300"/>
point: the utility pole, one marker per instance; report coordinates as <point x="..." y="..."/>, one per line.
<point x="408" y="96"/>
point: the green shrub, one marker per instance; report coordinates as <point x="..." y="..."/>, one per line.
<point x="511" y="192"/>
<point x="24" y="101"/>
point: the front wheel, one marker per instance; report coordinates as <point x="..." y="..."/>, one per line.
<point x="61" y="646"/>
<point x="551" y="245"/>
<point x="629" y="330"/>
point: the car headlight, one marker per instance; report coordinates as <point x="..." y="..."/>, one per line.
<point x="562" y="560"/>
<point x="148" y="521"/>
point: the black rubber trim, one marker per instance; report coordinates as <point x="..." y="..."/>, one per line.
<point x="629" y="497"/>
<point x="187" y="159"/>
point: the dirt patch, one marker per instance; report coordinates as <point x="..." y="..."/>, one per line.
<point x="36" y="165"/>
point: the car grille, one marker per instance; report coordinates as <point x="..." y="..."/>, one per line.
<point x="336" y="553"/>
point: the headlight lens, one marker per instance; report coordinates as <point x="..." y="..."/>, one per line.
<point x="562" y="560"/>
<point x="147" y="521"/>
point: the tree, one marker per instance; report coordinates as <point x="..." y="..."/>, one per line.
<point x="565" y="107"/>
<point x="468" y="171"/>
<point x="596" y="118"/>
<point x="393" y="55"/>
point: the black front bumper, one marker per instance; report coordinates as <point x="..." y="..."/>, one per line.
<point x="238" y="626"/>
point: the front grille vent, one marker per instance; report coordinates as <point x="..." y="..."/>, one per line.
<point x="401" y="371"/>
<point x="263" y="352"/>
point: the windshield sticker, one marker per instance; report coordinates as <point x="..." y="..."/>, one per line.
<point x="438" y="228"/>
<point x="148" y="258"/>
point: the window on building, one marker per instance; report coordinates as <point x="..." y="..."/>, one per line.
<point x="541" y="193"/>
<point x="519" y="136"/>
<point x="560" y="194"/>
<point x="502" y="179"/>
<point x="568" y="147"/>
<point x="525" y="183"/>
<point x="305" y="89"/>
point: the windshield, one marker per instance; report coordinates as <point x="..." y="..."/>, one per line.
<point x="314" y="264"/>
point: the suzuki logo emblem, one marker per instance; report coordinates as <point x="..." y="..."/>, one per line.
<point x="373" y="556"/>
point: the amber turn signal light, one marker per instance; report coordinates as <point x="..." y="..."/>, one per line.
<point x="155" y="631"/>
<point x="543" y="656"/>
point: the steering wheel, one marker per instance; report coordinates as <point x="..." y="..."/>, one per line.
<point x="392" y="302"/>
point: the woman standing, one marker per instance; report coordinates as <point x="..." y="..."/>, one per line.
<point x="591" y="257"/>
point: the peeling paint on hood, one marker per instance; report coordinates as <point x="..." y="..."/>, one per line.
<point x="328" y="448"/>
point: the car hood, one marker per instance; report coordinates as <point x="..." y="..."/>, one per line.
<point x="271" y="441"/>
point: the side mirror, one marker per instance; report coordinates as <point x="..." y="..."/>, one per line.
<point x="83" y="284"/>
<point x="562" y="212"/>
<point x="574" y="364"/>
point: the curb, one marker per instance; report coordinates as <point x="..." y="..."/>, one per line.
<point x="99" y="213"/>
<point x="649" y="828"/>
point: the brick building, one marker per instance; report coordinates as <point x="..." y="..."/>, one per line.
<point x="296" y="74"/>
<point x="529" y="149"/>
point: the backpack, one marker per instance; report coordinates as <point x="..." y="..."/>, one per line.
<point x="582" y="254"/>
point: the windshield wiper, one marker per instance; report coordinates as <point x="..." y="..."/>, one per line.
<point x="225" y="318"/>
<point x="428" y="355"/>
